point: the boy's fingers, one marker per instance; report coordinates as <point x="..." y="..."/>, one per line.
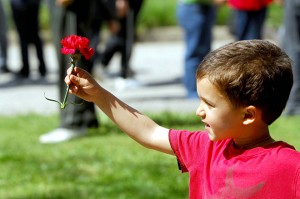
<point x="69" y="70"/>
<point x="75" y="80"/>
<point x="79" y="70"/>
<point x="76" y="70"/>
<point x="73" y="89"/>
<point x="67" y="80"/>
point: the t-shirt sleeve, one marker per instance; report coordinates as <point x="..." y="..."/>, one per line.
<point x="189" y="147"/>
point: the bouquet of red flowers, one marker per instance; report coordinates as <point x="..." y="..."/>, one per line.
<point x="76" y="46"/>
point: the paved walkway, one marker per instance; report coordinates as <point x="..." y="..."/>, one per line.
<point x="156" y="87"/>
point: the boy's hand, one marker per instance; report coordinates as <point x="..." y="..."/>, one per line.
<point x="82" y="84"/>
<point x="64" y="3"/>
<point x="220" y="2"/>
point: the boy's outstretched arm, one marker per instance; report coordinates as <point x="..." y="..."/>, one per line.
<point x="138" y="126"/>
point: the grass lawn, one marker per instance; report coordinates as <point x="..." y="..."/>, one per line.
<point x="104" y="164"/>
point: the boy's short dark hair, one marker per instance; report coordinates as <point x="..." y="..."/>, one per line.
<point x="251" y="72"/>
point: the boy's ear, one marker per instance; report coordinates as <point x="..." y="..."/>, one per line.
<point x="250" y="114"/>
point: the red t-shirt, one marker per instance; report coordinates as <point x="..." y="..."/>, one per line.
<point x="218" y="170"/>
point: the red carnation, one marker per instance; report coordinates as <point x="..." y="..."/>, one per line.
<point x="74" y="44"/>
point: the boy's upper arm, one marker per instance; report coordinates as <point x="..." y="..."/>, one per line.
<point x="160" y="140"/>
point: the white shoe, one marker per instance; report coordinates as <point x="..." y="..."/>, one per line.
<point x="121" y="84"/>
<point x="61" y="135"/>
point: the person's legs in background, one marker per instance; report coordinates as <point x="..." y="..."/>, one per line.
<point x="3" y="41"/>
<point x="33" y="17"/>
<point x="197" y="22"/>
<point x="249" y="24"/>
<point x="112" y="46"/>
<point x="291" y="44"/>
<point x="75" y="119"/>
<point x="123" y="40"/>
<point x="20" y="17"/>
<point x="129" y="35"/>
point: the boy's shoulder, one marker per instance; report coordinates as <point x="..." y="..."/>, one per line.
<point x="286" y="152"/>
<point x="281" y="145"/>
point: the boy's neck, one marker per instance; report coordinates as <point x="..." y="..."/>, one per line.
<point x="262" y="141"/>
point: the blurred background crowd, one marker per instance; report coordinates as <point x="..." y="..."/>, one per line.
<point x="114" y="26"/>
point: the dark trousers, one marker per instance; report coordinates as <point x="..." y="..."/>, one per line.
<point x="123" y="40"/>
<point x="3" y="38"/>
<point x="64" y="23"/>
<point x="26" y="18"/>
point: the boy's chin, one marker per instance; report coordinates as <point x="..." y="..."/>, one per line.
<point x="213" y="137"/>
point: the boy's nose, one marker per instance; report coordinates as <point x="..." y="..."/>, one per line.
<point x="200" y="111"/>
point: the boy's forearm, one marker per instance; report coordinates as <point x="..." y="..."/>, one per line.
<point x="138" y="126"/>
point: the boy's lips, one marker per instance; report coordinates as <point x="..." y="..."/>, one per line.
<point x="207" y="126"/>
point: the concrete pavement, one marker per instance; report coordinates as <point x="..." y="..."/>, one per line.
<point x="158" y="67"/>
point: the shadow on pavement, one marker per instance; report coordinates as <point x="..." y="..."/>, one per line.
<point x="19" y="82"/>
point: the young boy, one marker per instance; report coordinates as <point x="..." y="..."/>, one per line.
<point x="243" y="87"/>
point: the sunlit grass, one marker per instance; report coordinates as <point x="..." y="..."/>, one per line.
<point x="104" y="164"/>
<point x="287" y="129"/>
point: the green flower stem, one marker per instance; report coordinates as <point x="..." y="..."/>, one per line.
<point x="64" y="103"/>
<point x="74" y="58"/>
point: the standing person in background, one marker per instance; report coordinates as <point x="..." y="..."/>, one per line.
<point x="26" y="18"/>
<point x="249" y="19"/>
<point x="83" y="18"/>
<point x="290" y="42"/>
<point x="196" y="17"/>
<point x="122" y="41"/>
<point x="3" y="40"/>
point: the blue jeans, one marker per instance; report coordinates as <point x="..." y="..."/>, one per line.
<point x="249" y="24"/>
<point x="291" y="44"/>
<point x="197" y="22"/>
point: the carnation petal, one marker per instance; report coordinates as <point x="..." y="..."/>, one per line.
<point x="87" y="52"/>
<point x="67" y="51"/>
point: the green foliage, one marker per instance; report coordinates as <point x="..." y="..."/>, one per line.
<point x="44" y="17"/>
<point x="287" y="129"/>
<point x="157" y="13"/>
<point x="104" y="164"/>
<point x="223" y="15"/>
<point x="275" y="16"/>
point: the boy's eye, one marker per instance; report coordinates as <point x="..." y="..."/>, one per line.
<point x="207" y="103"/>
<point x="210" y="105"/>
